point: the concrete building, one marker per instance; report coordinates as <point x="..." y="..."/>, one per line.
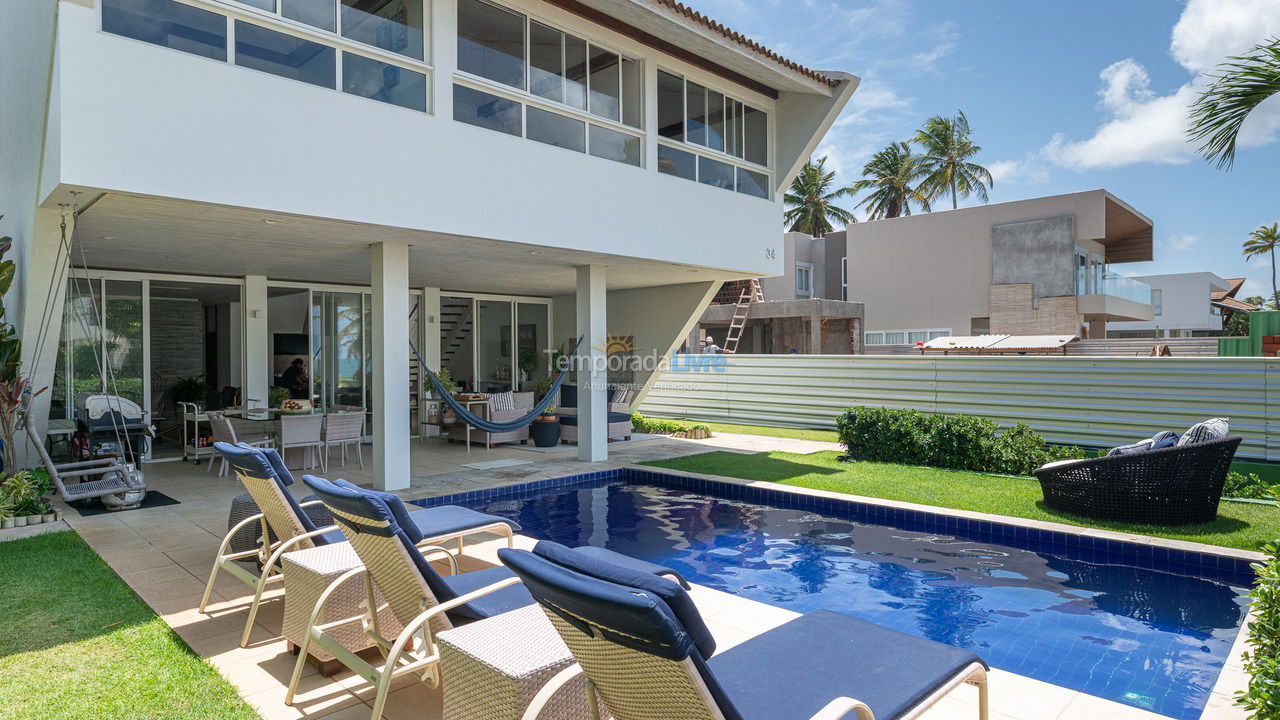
<point x="1038" y="266"/>
<point x="804" y="309"/>
<point x="251" y="183"/>
<point x="1185" y="305"/>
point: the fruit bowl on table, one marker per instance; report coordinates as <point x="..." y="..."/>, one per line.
<point x="294" y="407"/>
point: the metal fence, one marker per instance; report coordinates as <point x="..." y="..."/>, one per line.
<point x="1091" y="401"/>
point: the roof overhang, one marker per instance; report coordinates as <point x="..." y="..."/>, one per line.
<point x="1129" y="234"/>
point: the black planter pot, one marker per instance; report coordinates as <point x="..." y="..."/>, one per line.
<point x="545" y="434"/>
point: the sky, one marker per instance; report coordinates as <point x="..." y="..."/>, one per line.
<point x="1061" y="96"/>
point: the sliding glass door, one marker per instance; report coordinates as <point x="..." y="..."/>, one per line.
<point x="102" y="329"/>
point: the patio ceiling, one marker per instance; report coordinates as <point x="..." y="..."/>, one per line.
<point x="1129" y="235"/>
<point x="125" y="232"/>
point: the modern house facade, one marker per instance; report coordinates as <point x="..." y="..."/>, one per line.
<point x="247" y="183"/>
<point x="1030" y="267"/>
<point x="1186" y="305"/>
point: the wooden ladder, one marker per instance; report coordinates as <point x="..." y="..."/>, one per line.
<point x="750" y="294"/>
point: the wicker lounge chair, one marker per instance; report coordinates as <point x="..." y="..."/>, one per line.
<point x="113" y="475"/>
<point x="264" y="475"/>
<point x="1172" y="486"/>
<point x="423" y="602"/>
<point x="648" y="655"/>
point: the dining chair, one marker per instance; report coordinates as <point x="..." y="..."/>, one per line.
<point x="343" y="429"/>
<point x="224" y="431"/>
<point x="304" y="431"/>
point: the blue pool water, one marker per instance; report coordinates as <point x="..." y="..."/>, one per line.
<point x="1147" y="630"/>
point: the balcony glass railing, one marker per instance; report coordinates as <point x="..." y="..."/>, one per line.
<point x="1113" y="284"/>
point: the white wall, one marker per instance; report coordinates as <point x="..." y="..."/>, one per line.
<point x="193" y="128"/>
<point x="1185" y="303"/>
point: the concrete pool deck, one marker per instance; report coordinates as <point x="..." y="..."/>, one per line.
<point x="165" y="554"/>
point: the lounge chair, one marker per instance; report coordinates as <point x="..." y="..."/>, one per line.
<point x="421" y="600"/>
<point x="114" y="476"/>
<point x="648" y="656"/>
<point x="263" y="474"/>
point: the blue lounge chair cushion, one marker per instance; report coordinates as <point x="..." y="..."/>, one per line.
<point x="258" y="463"/>
<point x="431" y="522"/>
<point x="370" y="511"/>
<point x="610" y="569"/>
<point x="504" y="600"/>
<point x="824" y="655"/>
<point x="613" y="418"/>
<point x="618" y="558"/>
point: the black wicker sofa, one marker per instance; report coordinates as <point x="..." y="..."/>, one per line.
<point x="1172" y="486"/>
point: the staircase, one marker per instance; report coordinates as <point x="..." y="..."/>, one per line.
<point x="455" y="329"/>
<point x="750" y="294"/>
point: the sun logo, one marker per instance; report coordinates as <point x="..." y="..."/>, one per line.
<point x="616" y="344"/>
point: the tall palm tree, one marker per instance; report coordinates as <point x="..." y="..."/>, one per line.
<point x="892" y="179"/>
<point x="1241" y="85"/>
<point x="811" y="202"/>
<point x="945" y="149"/>
<point x="1264" y="241"/>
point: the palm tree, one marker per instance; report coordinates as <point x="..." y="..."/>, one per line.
<point x="892" y="178"/>
<point x="811" y="201"/>
<point x="945" y="151"/>
<point x="1264" y="241"/>
<point x="1244" y="82"/>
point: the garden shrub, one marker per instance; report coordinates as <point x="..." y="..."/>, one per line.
<point x="956" y="442"/>
<point x="660" y="426"/>
<point x="1250" y="486"/>
<point x="1262" y="660"/>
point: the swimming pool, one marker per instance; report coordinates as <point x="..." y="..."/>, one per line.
<point x="1149" y="627"/>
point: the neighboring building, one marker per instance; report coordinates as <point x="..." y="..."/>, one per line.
<point x="804" y="309"/>
<point x="1186" y="305"/>
<point x="1031" y="267"/>
<point x="259" y="182"/>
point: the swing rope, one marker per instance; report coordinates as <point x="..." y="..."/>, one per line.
<point x="483" y="424"/>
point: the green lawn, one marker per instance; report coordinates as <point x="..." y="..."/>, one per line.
<point x="1239" y="525"/>
<point x="78" y="643"/>
<point x="790" y="433"/>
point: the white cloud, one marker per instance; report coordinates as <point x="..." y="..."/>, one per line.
<point x="1145" y="126"/>
<point x="1028" y="171"/>
<point x="1179" y="243"/>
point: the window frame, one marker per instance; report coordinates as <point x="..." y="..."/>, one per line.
<point x="805" y="269"/>
<point x="881" y="335"/>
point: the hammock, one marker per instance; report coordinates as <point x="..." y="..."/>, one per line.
<point x="483" y="424"/>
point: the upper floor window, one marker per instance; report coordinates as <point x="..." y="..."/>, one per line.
<point x="396" y="26"/>
<point x="506" y="47"/>
<point x="1157" y="300"/>
<point x="804" y="280"/>
<point x="694" y="114"/>
<point x="844" y="278"/>
<point x="167" y="23"/>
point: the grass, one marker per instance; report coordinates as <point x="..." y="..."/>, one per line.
<point x="78" y="643"/>
<point x="1239" y="525"/>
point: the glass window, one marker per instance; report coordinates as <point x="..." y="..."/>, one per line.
<point x="874" y="338"/>
<point x="490" y="42"/>
<point x="894" y="337"/>
<point x="575" y="72"/>
<point x="916" y="336"/>
<point x="317" y="13"/>
<point x="1157" y="301"/>
<point x="804" y="280"/>
<point x="284" y="55"/>
<point x="546" y="62"/>
<point x="268" y="5"/>
<point x="733" y="127"/>
<point x="168" y="24"/>
<point x="487" y="111"/>
<point x="670" y="106"/>
<point x="714" y="172"/>
<point x="553" y="129"/>
<point x="385" y="82"/>
<point x="715" y="120"/>
<point x="677" y="162"/>
<point x="613" y="145"/>
<point x="605" y="84"/>
<point x="632" y="93"/>
<point x="756" y="134"/>
<point x="753" y="183"/>
<point x="696" y="113"/>
<point x="394" y="25"/>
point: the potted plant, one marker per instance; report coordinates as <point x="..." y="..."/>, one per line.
<point x="545" y="430"/>
<point x="541" y="387"/>
<point x="6" y="510"/>
<point x="25" y="494"/>
<point x="450" y="386"/>
<point x="192" y="389"/>
<point x="276" y="397"/>
<point x="528" y="363"/>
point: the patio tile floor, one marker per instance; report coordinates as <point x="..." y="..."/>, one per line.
<point x="166" y="553"/>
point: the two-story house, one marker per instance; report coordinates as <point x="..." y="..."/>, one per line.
<point x="1185" y="305"/>
<point x="246" y="184"/>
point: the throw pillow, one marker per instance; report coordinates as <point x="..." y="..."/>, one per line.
<point x="1138" y="447"/>
<point x="1164" y="439"/>
<point x="502" y="401"/>
<point x="1213" y="429"/>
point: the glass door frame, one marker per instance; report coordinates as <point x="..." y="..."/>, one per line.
<point x="516" y="301"/>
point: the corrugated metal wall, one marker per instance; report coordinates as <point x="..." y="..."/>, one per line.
<point x="1082" y="400"/>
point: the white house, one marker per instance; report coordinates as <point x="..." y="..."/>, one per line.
<point x="1186" y="305"/>
<point x="248" y="182"/>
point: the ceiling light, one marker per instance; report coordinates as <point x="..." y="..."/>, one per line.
<point x="108" y="237"/>
<point x="535" y="252"/>
<point x="269" y="221"/>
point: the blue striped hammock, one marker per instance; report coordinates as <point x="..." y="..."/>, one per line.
<point x="483" y="424"/>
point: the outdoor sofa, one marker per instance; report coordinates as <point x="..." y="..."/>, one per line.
<point x="620" y="427"/>
<point x="523" y="402"/>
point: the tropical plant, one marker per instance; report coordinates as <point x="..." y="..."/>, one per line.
<point x="192" y="389"/>
<point x="11" y="398"/>
<point x="1242" y="84"/>
<point x="945" y="149"/>
<point x="891" y="178"/>
<point x="541" y="387"/>
<point x="446" y="380"/>
<point x="1262" y="661"/>
<point x="811" y="200"/>
<point x="24" y="493"/>
<point x="1264" y="241"/>
<point x="10" y="343"/>
<point x="276" y="396"/>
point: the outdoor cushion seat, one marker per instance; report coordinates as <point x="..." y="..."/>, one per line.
<point x="626" y="561"/>
<point x="496" y="603"/>
<point x="826" y="653"/>
<point x="614" y="417"/>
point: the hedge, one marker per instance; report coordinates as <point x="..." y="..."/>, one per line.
<point x="1262" y="661"/>
<point x="954" y="442"/>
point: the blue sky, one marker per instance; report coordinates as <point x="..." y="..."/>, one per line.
<point x="1062" y="97"/>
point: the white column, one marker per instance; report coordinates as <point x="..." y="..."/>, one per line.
<point x="593" y="376"/>
<point x="444" y="55"/>
<point x="391" y="467"/>
<point x="257" y="342"/>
